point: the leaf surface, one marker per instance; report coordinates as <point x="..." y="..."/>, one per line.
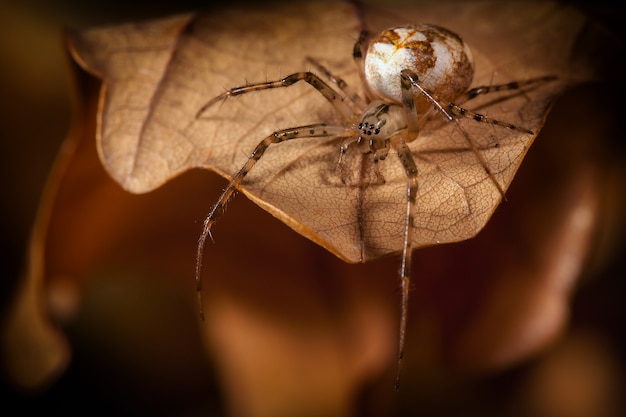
<point x="157" y="75"/>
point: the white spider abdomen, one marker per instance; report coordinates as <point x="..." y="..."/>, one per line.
<point x="439" y="57"/>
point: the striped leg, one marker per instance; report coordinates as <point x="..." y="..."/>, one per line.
<point x="355" y="98"/>
<point x="452" y="112"/>
<point x="514" y="85"/>
<point x="406" y="158"/>
<point x="358" y="55"/>
<point x="315" y="81"/>
<point x="302" y="132"/>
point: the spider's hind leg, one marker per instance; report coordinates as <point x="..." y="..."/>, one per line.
<point x="453" y="112"/>
<point x="358" y="55"/>
<point x="510" y="86"/>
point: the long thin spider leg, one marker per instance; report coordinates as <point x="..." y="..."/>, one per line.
<point x="514" y="85"/>
<point x="406" y="158"/>
<point x="481" y="159"/>
<point x="357" y="55"/>
<point x="408" y="79"/>
<point x="343" y="150"/>
<point x="357" y="49"/>
<point x="315" y="81"/>
<point x="450" y="111"/>
<point x="410" y="169"/>
<point x="455" y="110"/>
<point x="355" y="98"/>
<point x="308" y="131"/>
<point x="408" y="103"/>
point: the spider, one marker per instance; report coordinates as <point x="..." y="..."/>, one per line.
<point x="406" y="72"/>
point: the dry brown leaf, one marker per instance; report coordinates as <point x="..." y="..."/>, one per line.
<point x="159" y="74"/>
<point x="483" y="310"/>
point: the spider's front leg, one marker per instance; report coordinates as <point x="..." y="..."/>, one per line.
<point x="396" y="141"/>
<point x="354" y="98"/>
<point x="302" y="132"/>
<point x="333" y="97"/>
<point x="406" y="158"/>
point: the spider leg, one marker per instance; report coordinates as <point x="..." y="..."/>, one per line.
<point x="357" y="50"/>
<point x="340" y="83"/>
<point x="343" y="149"/>
<point x="452" y="111"/>
<point x="315" y="81"/>
<point x="379" y="155"/>
<point x="408" y="162"/>
<point x="308" y="131"/>
<point x="410" y="87"/>
<point x="357" y="55"/>
<point x="408" y="103"/>
<point x="514" y="85"/>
